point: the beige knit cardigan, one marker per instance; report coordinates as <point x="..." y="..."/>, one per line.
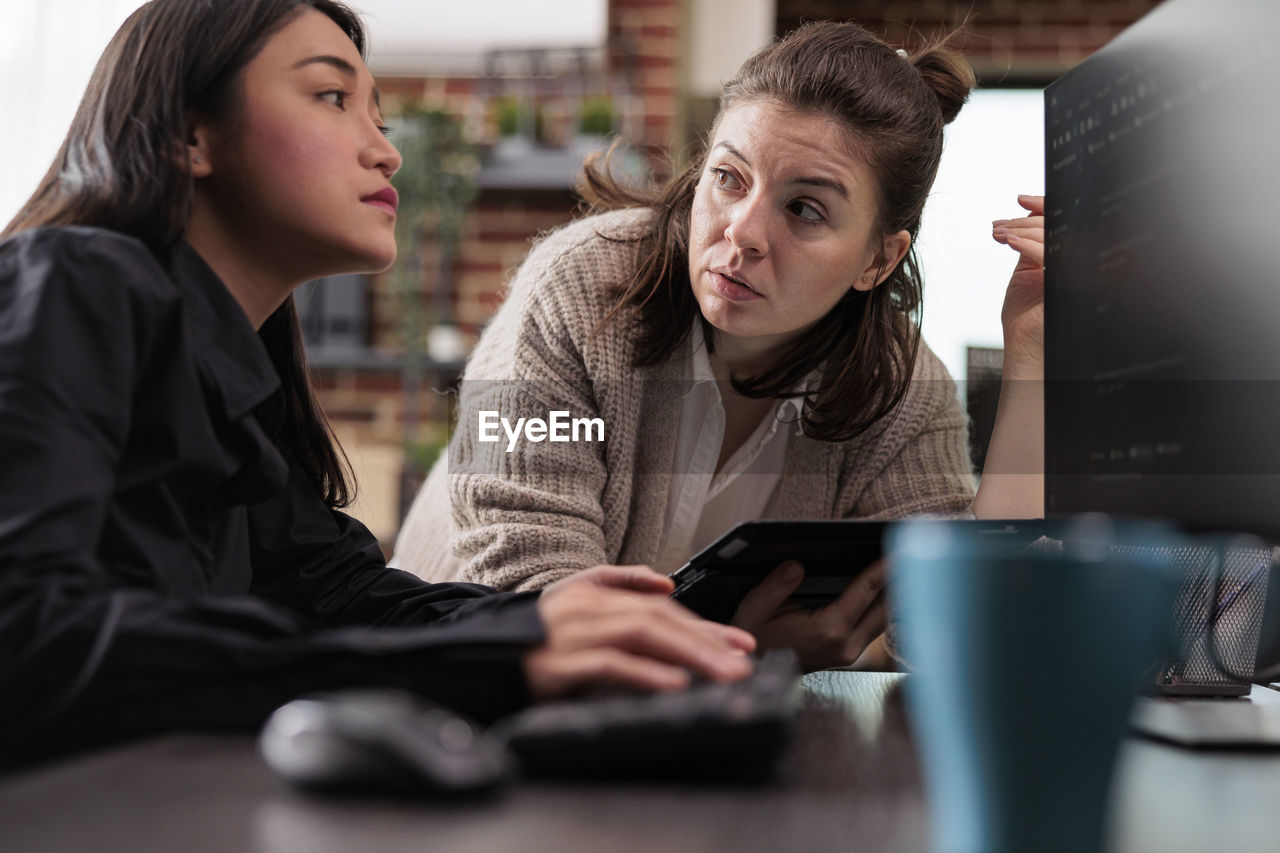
<point x="524" y="519"/>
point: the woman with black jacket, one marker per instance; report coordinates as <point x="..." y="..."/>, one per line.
<point x="172" y="553"/>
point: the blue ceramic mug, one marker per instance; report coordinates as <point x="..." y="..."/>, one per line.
<point x="1026" y="666"/>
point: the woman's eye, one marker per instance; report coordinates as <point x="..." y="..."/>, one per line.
<point x="805" y="211"/>
<point x="337" y="97"/>
<point x="724" y="178"/>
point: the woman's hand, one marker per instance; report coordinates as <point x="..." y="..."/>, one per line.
<point x="1023" y="312"/>
<point x="835" y="635"/>
<point x="615" y="625"/>
<point x="1012" y="484"/>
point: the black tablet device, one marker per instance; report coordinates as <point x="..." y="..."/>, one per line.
<point x="833" y="553"/>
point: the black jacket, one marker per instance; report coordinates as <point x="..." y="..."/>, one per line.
<point x="162" y="565"/>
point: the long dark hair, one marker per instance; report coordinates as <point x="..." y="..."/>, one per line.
<point x="120" y="166"/>
<point x="894" y="109"/>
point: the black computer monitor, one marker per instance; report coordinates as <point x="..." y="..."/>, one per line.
<point x="1162" y="337"/>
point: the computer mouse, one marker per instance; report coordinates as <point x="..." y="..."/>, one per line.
<point x="380" y="740"/>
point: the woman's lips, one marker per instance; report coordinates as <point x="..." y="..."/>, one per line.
<point x="732" y="290"/>
<point x="387" y="199"/>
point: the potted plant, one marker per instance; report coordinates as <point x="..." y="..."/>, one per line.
<point x="437" y="184"/>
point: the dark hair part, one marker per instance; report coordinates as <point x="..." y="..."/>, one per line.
<point x="121" y="165"/>
<point x="894" y="110"/>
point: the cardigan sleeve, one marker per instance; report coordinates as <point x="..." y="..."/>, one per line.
<point x="528" y="512"/>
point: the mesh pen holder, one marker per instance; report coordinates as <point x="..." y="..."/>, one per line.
<point x="1217" y="616"/>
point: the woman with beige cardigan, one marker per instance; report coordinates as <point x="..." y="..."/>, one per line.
<point x="739" y="344"/>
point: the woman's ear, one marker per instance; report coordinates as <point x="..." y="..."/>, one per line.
<point x="893" y="249"/>
<point x="197" y="152"/>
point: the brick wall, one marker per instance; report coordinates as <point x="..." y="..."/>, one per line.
<point x="652" y="28"/>
<point x="1007" y="41"/>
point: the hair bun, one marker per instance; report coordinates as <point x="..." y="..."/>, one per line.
<point x="947" y="73"/>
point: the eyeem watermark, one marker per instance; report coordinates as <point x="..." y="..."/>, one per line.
<point x="559" y="427"/>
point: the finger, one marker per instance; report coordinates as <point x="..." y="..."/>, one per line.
<point x="609" y="601"/>
<point x="768" y="595"/>
<point x="1021" y="221"/>
<point x="552" y="674"/>
<point x="1019" y="228"/>
<point x="737" y="638"/>
<point x="857" y="597"/>
<point x="872" y="624"/>
<point x="633" y="578"/>
<point x="1025" y="235"/>
<point x="1031" y="250"/>
<point x="659" y="628"/>
<point x="1029" y="232"/>
<point x="699" y="646"/>
<point x="1033" y="203"/>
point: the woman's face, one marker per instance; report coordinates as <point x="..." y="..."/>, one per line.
<point x="300" y="178"/>
<point x="782" y="224"/>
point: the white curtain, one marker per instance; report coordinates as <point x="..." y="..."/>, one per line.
<point x="47" y="51"/>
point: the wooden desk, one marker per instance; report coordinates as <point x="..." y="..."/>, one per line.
<point x="850" y="782"/>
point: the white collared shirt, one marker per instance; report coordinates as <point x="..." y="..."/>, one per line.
<point x="704" y="503"/>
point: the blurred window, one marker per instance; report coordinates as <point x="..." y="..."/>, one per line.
<point x="994" y="151"/>
<point x="333" y="312"/>
<point x="439" y="36"/>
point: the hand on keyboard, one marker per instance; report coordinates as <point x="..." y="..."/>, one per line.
<point x="707" y="731"/>
<point x="615" y="625"/>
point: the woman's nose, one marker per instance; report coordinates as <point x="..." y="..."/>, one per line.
<point x="382" y="155"/>
<point x="748" y="228"/>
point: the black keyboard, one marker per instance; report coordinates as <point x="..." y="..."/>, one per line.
<point x="723" y="732"/>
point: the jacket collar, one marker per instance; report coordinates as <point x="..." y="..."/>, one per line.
<point x="227" y="348"/>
